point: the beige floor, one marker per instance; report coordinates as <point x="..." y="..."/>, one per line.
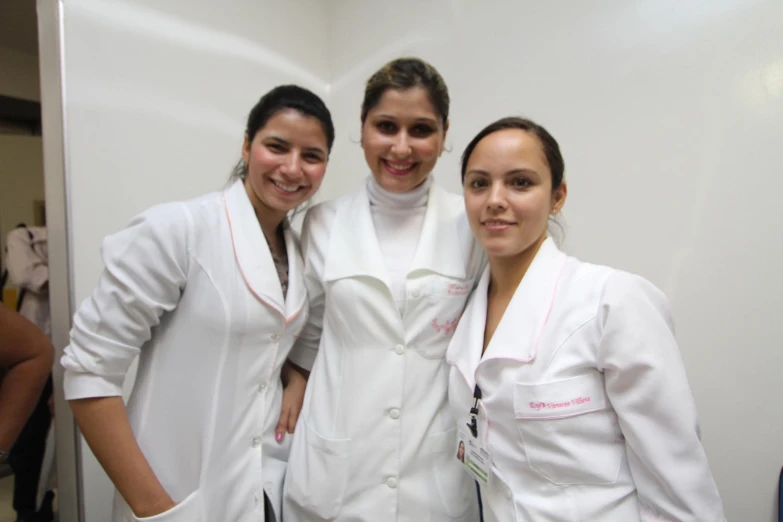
<point x="7" y="513"/>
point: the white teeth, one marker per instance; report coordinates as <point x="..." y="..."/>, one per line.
<point x="399" y="166"/>
<point x="286" y="188"/>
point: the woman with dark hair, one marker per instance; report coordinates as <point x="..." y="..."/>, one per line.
<point x="461" y="451"/>
<point x="565" y="375"/>
<point x="209" y="294"/>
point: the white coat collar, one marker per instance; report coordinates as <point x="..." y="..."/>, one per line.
<point x="354" y="248"/>
<point x="519" y="331"/>
<point x="255" y="260"/>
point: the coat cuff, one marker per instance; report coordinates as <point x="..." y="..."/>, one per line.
<point x="303" y="356"/>
<point x="88" y="385"/>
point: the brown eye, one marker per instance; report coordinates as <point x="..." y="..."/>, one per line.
<point x="386" y="127"/>
<point x="275" y="147"/>
<point x="521" y="182"/>
<point x="313" y="158"/>
<point x="422" y="131"/>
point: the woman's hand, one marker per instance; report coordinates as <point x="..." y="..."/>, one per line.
<point x="157" y="509"/>
<point x="294" y="386"/>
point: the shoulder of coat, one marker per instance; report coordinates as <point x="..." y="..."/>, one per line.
<point x="325" y="211"/>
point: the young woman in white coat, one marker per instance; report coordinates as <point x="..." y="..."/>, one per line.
<point x="209" y="294"/>
<point x="388" y="268"/>
<point x="578" y="393"/>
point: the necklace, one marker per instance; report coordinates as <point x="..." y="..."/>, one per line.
<point x="280" y="260"/>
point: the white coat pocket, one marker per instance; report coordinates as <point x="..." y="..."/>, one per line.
<point x="189" y="510"/>
<point x="455" y="488"/>
<point x="316" y="480"/>
<point x="570" y="434"/>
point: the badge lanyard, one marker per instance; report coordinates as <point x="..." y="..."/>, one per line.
<point x="471" y="449"/>
<point x="473" y="425"/>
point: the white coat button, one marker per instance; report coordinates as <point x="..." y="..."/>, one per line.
<point x="391" y="482"/>
<point x="400" y="349"/>
<point x="394" y="413"/>
<point x="257" y="441"/>
<point x="262" y="387"/>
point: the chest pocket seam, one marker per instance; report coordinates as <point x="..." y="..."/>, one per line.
<point x="566" y="428"/>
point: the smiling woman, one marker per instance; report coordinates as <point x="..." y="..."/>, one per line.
<point x="585" y="397"/>
<point x="389" y="269"/>
<point x="404" y="123"/>
<point x="526" y="160"/>
<point x="190" y="288"/>
<point x="283" y="154"/>
<point x="285" y="161"/>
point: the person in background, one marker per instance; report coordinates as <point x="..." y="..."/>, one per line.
<point x="389" y="268"/>
<point x="27" y="263"/>
<point x="26" y="356"/>
<point x="568" y="374"/>
<point x="209" y="294"/>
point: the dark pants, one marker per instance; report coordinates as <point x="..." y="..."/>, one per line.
<point x="269" y="513"/>
<point x="27" y="455"/>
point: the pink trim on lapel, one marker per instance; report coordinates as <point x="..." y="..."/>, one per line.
<point x="548" y="311"/>
<point x="518" y="339"/>
<point x="280" y="308"/>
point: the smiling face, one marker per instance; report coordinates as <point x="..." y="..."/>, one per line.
<point x="286" y="162"/>
<point x="403" y="136"/>
<point x="508" y="193"/>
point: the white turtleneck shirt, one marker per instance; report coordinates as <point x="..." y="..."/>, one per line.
<point x="398" y="219"/>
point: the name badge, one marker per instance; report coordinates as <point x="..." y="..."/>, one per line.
<point x="472" y="450"/>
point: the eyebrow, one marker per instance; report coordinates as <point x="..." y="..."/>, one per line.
<point x="511" y="172"/>
<point x="431" y="121"/>
<point x="281" y="141"/>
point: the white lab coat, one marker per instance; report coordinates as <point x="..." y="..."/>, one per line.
<point x="374" y="440"/>
<point x="28" y="269"/>
<point x="192" y="289"/>
<point x="590" y="414"/>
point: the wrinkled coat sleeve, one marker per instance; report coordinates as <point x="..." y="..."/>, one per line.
<point x="146" y="267"/>
<point x="648" y="388"/>
<point x="314" y="241"/>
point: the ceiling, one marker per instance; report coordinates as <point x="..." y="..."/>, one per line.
<point x="19" y="26"/>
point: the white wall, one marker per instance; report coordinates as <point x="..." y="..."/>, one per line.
<point x="156" y="97"/>
<point x="670" y="117"/>
<point x="19" y="75"/>
<point x="669" y="114"/>
<point x="21" y="162"/>
<point x="21" y="181"/>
